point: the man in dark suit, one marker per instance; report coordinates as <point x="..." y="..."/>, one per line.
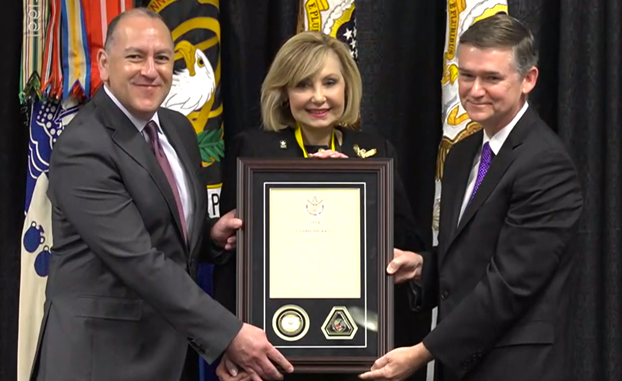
<point x="129" y="225"/>
<point x="511" y="201"/>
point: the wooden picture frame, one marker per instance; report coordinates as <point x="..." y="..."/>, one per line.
<point x="312" y="258"/>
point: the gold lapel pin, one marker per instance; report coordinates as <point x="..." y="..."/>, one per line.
<point x="363" y="153"/>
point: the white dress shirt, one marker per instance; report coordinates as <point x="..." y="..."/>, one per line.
<point x="495" y="142"/>
<point x="171" y="155"/>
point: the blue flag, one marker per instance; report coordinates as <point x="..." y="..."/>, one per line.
<point x="46" y="123"/>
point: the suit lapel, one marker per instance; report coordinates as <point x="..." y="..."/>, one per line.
<point x="191" y="179"/>
<point x="347" y="143"/>
<point x="286" y="144"/>
<point x="498" y="167"/>
<point x="455" y="181"/>
<point x="357" y="146"/>
<point x="127" y="137"/>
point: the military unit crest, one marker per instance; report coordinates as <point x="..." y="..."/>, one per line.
<point x="339" y="325"/>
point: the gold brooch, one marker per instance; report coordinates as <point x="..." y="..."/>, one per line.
<point x="363" y="153"/>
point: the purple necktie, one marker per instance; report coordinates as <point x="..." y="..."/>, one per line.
<point x="152" y="131"/>
<point x="484" y="164"/>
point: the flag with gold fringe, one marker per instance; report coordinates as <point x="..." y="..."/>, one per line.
<point x="461" y="14"/>
<point x="51" y="75"/>
<point x="336" y="18"/>
<point x="36" y="13"/>
<point x="75" y="57"/>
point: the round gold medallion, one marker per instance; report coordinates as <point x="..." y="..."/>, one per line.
<point x="290" y="322"/>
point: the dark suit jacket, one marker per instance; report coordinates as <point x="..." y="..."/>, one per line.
<point x="500" y="276"/>
<point x="121" y="303"/>
<point x="259" y="143"/>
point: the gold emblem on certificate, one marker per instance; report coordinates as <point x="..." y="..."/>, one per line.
<point x="339" y="325"/>
<point x="315" y="207"/>
<point x="290" y="322"/>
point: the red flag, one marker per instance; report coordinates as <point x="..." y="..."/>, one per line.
<point x="97" y="16"/>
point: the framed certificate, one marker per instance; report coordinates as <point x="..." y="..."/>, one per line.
<point x="312" y="258"/>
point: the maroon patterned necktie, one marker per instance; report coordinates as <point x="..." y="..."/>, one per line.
<point x="484" y="164"/>
<point x="152" y="131"/>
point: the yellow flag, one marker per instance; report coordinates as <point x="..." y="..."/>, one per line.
<point x="333" y="17"/>
<point x="461" y="14"/>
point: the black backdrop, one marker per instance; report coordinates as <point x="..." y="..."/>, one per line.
<point x="400" y="56"/>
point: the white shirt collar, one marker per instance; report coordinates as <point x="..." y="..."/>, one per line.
<point x="138" y="123"/>
<point x="497" y="140"/>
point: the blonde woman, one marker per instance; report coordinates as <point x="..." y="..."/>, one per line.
<point x="310" y="103"/>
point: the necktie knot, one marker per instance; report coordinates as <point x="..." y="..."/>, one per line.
<point x="487" y="153"/>
<point x="151" y="129"/>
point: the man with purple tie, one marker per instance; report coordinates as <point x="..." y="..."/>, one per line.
<point x="510" y="203"/>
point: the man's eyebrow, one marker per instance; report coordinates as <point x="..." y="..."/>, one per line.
<point x="461" y="70"/>
<point x="133" y="49"/>
<point x="139" y="50"/>
<point x="165" y="51"/>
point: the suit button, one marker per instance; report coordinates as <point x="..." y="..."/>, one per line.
<point x="196" y="345"/>
<point x="444" y="294"/>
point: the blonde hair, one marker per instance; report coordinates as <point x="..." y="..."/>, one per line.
<point x="301" y="57"/>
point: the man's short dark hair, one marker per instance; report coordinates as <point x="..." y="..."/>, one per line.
<point x="504" y="32"/>
<point x="112" y="27"/>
